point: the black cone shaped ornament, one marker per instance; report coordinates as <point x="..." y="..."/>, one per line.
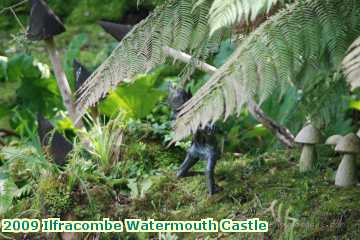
<point x="43" y="23"/>
<point x="118" y="31"/>
<point x="59" y="147"/>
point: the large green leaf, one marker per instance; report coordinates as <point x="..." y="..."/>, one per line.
<point x="22" y="66"/>
<point x="26" y="87"/>
<point x="136" y="100"/>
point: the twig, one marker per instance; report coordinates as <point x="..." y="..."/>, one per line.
<point x="281" y="132"/>
<point x="12" y="6"/>
<point x="18" y="20"/>
<point x="5" y="133"/>
<point x="183" y="57"/>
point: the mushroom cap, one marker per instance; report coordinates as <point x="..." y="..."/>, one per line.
<point x="358" y="133"/>
<point x="348" y="144"/>
<point x="43" y="23"/>
<point x="308" y="135"/>
<point x="333" y="140"/>
<point x="117" y="30"/>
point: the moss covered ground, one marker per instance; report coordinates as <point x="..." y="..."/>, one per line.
<point x="270" y="187"/>
<point x="266" y="186"/>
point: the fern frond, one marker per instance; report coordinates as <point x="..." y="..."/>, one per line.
<point x="305" y="37"/>
<point x="175" y="24"/>
<point x="351" y="65"/>
<point x="224" y="13"/>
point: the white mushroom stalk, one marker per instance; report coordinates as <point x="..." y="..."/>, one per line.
<point x="308" y="137"/>
<point x="307" y="158"/>
<point x="346" y="172"/>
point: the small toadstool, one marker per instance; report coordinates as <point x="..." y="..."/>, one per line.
<point x="308" y="137"/>
<point x="44" y="25"/>
<point x="333" y="140"/>
<point x="349" y="145"/>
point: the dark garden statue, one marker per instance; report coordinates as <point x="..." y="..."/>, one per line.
<point x="203" y="146"/>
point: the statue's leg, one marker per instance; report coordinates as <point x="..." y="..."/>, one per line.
<point x="189" y="161"/>
<point x="212" y="159"/>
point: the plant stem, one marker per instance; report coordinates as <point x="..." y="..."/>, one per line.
<point x="186" y="58"/>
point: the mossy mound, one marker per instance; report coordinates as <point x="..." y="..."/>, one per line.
<point x="269" y="187"/>
<point x="52" y="198"/>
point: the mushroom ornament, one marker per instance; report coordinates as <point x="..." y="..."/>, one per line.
<point x="308" y="137"/>
<point x="333" y="140"/>
<point x="44" y="25"/>
<point x="349" y="146"/>
<point x="117" y="30"/>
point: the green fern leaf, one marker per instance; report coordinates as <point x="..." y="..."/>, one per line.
<point x="175" y="24"/>
<point x="351" y="65"/>
<point x="224" y="13"/>
<point x="286" y="49"/>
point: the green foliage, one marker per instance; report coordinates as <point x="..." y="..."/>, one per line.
<point x="137" y="99"/>
<point x="20" y="166"/>
<point x="298" y="44"/>
<point x="138" y="189"/>
<point x="225" y="13"/>
<point x="27" y="86"/>
<point x="52" y="197"/>
<point x="94" y="10"/>
<point x="171" y="24"/>
<point x="104" y="143"/>
<point x="8" y="191"/>
<point x="266" y="186"/>
<point x="289" y="48"/>
<point x="351" y="66"/>
<point x="282" y="217"/>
